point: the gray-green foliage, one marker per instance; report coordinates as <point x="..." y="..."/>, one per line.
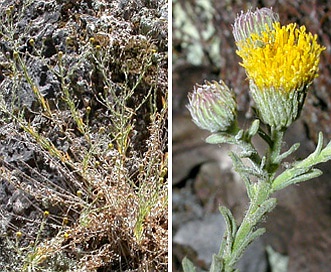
<point x="261" y="182"/>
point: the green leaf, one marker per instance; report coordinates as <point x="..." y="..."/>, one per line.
<point x="319" y="144"/>
<point x="313" y="173"/>
<point x="230" y="232"/>
<point x="247" y="150"/>
<point x="225" y="138"/>
<point x="278" y="262"/>
<point x="302" y="170"/>
<point x="236" y="255"/>
<point x="325" y="154"/>
<point x="254" y="128"/>
<point x="217" y="264"/>
<point x="232" y="222"/>
<point x="221" y="138"/>
<point x="188" y="265"/>
<point x="263" y="209"/>
<point x="287" y="153"/>
<point x="239" y="135"/>
<point x="243" y="169"/>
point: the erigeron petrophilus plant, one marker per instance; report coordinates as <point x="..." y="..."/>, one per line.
<point x="96" y="133"/>
<point x="280" y="62"/>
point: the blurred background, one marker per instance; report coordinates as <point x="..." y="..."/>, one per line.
<point x="298" y="234"/>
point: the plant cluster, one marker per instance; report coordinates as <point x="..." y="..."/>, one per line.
<point x="83" y="136"/>
<point x="280" y="63"/>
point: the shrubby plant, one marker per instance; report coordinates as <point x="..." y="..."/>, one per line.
<point x="90" y="152"/>
<point x="280" y="62"/>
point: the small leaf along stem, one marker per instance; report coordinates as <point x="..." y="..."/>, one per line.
<point x="237" y="238"/>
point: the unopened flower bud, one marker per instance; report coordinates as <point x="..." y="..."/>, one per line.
<point x="65" y="220"/>
<point x="213" y="107"/>
<point x="60" y="54"/>
<point x="15" y="55"/>
<point x="79" y="193"/>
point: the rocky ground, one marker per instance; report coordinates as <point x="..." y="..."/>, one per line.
<point x="298" y="230"/>
<point x="83" y="135"/>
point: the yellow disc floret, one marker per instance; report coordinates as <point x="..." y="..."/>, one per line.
<point x="284" y="58"/>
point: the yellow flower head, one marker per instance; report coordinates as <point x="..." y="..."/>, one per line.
<point x="284" y="58"/>
<point x="280" y="63"/>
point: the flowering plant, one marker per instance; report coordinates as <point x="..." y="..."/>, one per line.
<point x="280" y="62"/>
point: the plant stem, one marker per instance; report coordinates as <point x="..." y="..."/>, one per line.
<point x="248" y="231"/>
<point x="273" y="162"/>
<point x="260" y="203"/>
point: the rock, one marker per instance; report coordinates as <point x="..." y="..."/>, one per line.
<point x="217" y="185"/>
<point x="254" y="258"/>
<point x="189" y="149"/>
<point x="203" y="236"/>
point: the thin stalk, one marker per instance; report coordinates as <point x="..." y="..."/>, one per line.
<point x="273" y="162"/>
<point x="248" y="225"/>
<point x="260" y="204"/>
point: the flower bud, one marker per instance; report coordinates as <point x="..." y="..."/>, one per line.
<point x="46" y="213"/>
<point x="213" y="107"/>
<point x="31" y="42"/>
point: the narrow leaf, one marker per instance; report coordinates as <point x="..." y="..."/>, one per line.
<point x="319" y="144"/>
<point x="230" y="232"/>
<point x="326" y="153"/>
<point x="288" y="152"/>
<point x="264" y="208"/>
<point x="241" y="249"/>
<point x="217" y="264"/>
<point x="243" y="169"/>
<point x="220" y="138"/>
<point x="288" y="175"/>
<point x="188" y="265"/>
<point x="239" y="135"/>
<point x="247" y="181"/>
<point x="254" y="128"/>
<point x="313" y="173"/>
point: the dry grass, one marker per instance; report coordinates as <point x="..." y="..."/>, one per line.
<point x="88" y="165"/>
